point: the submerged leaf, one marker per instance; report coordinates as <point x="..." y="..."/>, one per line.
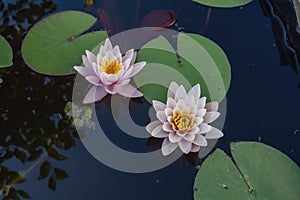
<point x="45" y="170"/>
<point x="52" y="183"/>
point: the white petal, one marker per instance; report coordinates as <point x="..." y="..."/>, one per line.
<point x="172" y="89"/>
<point x="195" y="148"/>
<point x="198" y="121"/>
<point x="158" y="106"/>
<point x="195" y="91"/>
<point x="201" y="112"/>
<point x="212" y="106"/>
<point x="180" y="93"/>
<point x="161" y="116"/>
<point x="173" y="137"/>
<point x="168" y="147"/>
<point x="214" y="134"/>
<point x="194" y="131"/>
<point x="200" y="140"/>
<point x="169" y="112"/>
<point x="201" y="102"/>
<point x="167" y="127"/>
<point x="204" y="128"/>
<point x="171" y="103"/>
<point x="185" y="146"/>
<point x="189" y="137"/>
<point x="95" y="93"/>
<point x="152" y="125"/>
<point x="136" y="68"/>
<point x="210" y="116"/>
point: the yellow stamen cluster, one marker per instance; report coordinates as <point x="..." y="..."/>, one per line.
<point x="110" y="66"/>
<point x="182" y="121"/>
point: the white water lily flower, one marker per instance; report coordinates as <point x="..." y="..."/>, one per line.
<point x="109" y="72"/>
<point x="185" y="120"/>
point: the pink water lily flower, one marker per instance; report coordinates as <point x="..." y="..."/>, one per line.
<point x="109" y="72"/>
<point x="185" y="120"/>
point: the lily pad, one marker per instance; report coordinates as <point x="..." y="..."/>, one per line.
<point x="258" y="172"/>
<point x="55" y="44"/>
<point x="201" y="61"/>
<point x="223" y="3"/>
<point x="6" y="53"/>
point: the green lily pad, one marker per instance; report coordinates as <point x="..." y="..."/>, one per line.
<point x="201" y="61"/>
<point x="258" y="172"/>
<point x="6" y="53"/>
<point x="223" y="3"/>
<point x="55" y="44"/>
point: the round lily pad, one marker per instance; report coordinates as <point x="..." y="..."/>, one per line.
<point x="6" y="53"/>
<point x="258" y="172"/>
<point x="223" y="3"/>
<point x="200" y="61"/>
<point x="55" y="44"/>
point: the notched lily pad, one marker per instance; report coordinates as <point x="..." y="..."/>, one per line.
<point x="6" y="53"/>
<point x="201" y="61"/>
<point x="54" y="45"/>
<point x="223" y="3"/>
<point x="258" y="172"/>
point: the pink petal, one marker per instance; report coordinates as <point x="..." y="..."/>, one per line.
<point x="168" y="147"/>
<point x="200" y="140"/>
<point x="152" y="125"/>
<point x="111" y="89"/>
<point x="212" y="106"/>
<point x="198" y="120"/>
<point x="84" y="71"/>
<point x="180" y="93"/>
<point x="195" y="148"/>
<point x="211" y="116"/>
<point x="94" y="80"/>
<point x="195" y="91"/>
<point x="185" y="146"/>
<point x="107" y="45"/>
<point x="204" y="128"/>
<point x="169" y="112"/>
<point x="130" y="54"/>
<point x="158" y="106"/>
<point x="96" y="93"/>
<point x="172" y="89"/>
<point x="173" y="137"/>
<point x="136" y="68"/>
<point x="86" y="62"/>
<point x="161" y="116"/>
<point x="91" y="57"/>
<point x="129" y="91"/>
<point x="214" y="134"/>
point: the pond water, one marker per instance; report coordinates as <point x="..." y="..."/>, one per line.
<point x="262" y="103"/>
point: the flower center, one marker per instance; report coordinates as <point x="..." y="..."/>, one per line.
<point x="182" y="121"/>
<point x="110" y="66"/>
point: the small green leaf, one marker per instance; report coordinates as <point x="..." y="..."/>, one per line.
<point x="223" y="3"/>
<point x="54" y="45"/>
<point x="1" y="81"/>
<point x="24" y="194"/>
<point x="52" y="183"/>
<point x="60" y="174"/>
<point x="45" y="170"/>
<point x="6" y="53"/>
<point x="259" y="172"/>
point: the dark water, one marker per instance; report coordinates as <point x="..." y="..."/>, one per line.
<point x="262" y="103"/>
